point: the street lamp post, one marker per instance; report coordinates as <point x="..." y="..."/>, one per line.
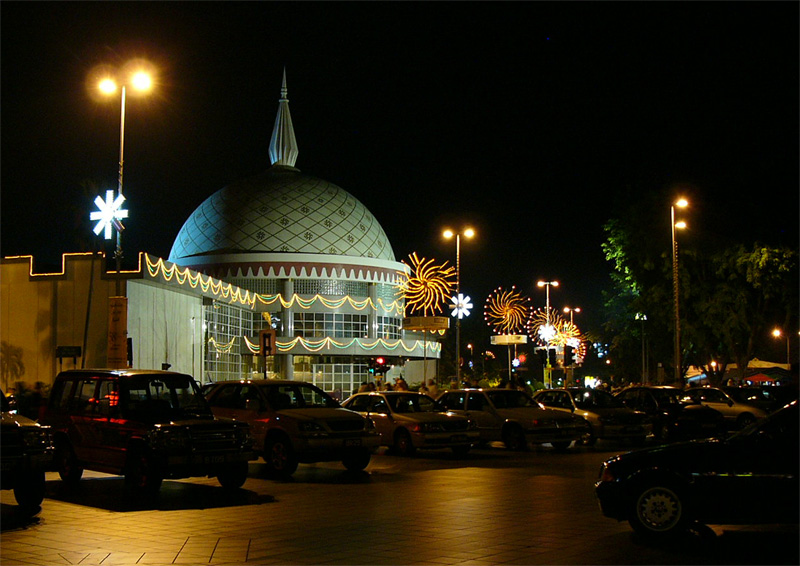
<point x="682" y="203"/>
<point x="547" y="285"/>
<point x="467" y="233"/>
<point x="571" y="312"/>
<point x="142" y="81"/>
<point x="777" y="333"/>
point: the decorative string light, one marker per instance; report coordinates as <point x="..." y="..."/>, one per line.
<point x="318" y="344"/>
<point x="249" y="298"/>
<point x="506" y="311"/>
<point x="426" y="285"/>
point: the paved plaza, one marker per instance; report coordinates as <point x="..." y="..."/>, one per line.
<point x="493" y="507"/>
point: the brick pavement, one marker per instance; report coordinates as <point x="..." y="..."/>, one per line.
<point x="492" y="508"/>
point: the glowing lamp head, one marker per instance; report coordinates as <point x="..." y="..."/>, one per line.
<point x="682" y="203"/>
<point x="380" y="361"/>
<point x="107" y="86"/>
<point x="448" y="234"/>
<point x="141" y="81"/>
<point x="680" y="225"/>
<point x="777" y="333"/>
<point x="469" y="233"/>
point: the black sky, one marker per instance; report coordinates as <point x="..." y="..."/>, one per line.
<point x="530" y="120"/>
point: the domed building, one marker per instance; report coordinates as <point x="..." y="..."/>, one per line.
<point x="281" y="275"/>
<point x="323" y="271"/>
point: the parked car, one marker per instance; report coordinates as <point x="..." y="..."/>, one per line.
<point x="26" y="452"/>
<point x="749" y="478"/>
<point x="608" y="418"/>
<point x="147" y="425"/>
<point x="407" y="421"/>
<point x="294" y="421"/>
<point x="673" y="417"/>
<point x="768" y="398"/>
<point x="737" y="415"/>
<point x="514" y="417"/>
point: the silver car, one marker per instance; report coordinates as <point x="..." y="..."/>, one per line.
<point x="514" y="417"/>
<point x="608" y="417"/>
<point x="737" y="415"/>
<point x="407" y="421"/>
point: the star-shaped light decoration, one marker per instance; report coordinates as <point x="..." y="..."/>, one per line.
<point x="108" y="214"/>
<point x="547" y="332"/>
<point x="461" y="306"/>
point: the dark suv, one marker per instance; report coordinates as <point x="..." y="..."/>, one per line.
<point x="26" y="450"/>
<point x="144" y="424"/>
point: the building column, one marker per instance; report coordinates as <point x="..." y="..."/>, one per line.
<point x="287" y="327"/>
<point x="372" y="317"/>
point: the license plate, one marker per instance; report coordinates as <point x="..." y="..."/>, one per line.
<point x="352" y="442"/>
<point x="214" y="459"/>
<point x="457" y="438"/>
<point x="633" y="429"/>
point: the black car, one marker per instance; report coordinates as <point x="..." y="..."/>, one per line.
<point x="673" y="417"/>
<point x="749" y="478"/>
<point x="26" y="452"/>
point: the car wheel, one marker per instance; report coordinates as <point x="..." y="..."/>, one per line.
<point x="514" y="438"/>
<point x="561" y="446"/>
<point x="141" y="472"/>
<point x="745" y="419"/>
<point x="403" y="446"/>
<point x="658" y="510"/>
<point x="234" y="476"/>
<point x="29" y="491"/>
<point x="279" y="455"/>
<point x="357" y="460"/>
<point x="67" y="463"/>
<point x="460" y="451"/>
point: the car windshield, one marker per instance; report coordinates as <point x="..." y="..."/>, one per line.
<point x="667" y="397"/>
<point x="298" y="396"/>
<point x="411" y="403"/>
<point x="160" y="397"/>
<point x="510" y="399"/>
<point x="595" y="399"/>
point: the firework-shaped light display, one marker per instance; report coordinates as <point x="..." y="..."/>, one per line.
<point x="557" y="333"/>
<point x="506" y="311"/>
<point x="426" y="287"/>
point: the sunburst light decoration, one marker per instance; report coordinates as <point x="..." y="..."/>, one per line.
<point x="426" y="285"/>
<point x="506" y="311"/>
<point x="557" y="332"/>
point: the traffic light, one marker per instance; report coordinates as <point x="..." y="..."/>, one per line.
<point x="569" y="356"/>
<point x="551" y="357"/>
<point x="380" y="366"/>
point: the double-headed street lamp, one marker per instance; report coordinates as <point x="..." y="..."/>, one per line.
<point x="571" y="312"/>
<point x="448" y="234"/>
<point x="139" y="79"/>
<point x="682" y="203"/>
<point x="547" y="285"/>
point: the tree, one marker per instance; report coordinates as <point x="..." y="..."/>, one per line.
<point x="11" y="365"/>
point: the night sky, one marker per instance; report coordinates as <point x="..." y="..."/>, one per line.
<point x="532" y="122"/>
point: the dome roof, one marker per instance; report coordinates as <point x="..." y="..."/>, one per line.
<point x="282" y="210"/>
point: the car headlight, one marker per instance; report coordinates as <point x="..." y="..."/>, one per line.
<point x="243" y="436"/>
<point x="36" y="437"/>
<point x="169" y="439"/>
